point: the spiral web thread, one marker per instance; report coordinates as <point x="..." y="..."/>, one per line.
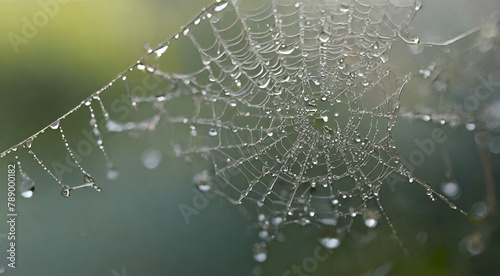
<point x="292" y="102"/>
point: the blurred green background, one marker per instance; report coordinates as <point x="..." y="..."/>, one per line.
<point x="134" y="226"/>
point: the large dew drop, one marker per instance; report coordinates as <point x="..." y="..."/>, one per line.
<point x="26" y="186"/>
<point x="55" y="125"/>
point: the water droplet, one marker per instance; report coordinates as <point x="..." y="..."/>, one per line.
<point x="97" y="188"/>
<point x="212" y="132"/>
<point x="470" y="126"/>
<point x="425" y="73"/>
<point x="206" y="60"/>
<point x="384" y="57"/>
<point x="65" y="192"/>
<point x="186" y="31"/>
<point x="238" y="82"/>
<point x="314" y="160"/>
<point x="112" y="174"/>
<point x="151" y="158"/>
<point x="426" y="118"/>
<point x="27" y="194"/>
<point x="213" y="18"/>
<point x="479" y="210"/>
<point x="221" y="6"/>
<point x="371" y="222"/>
<point x="451" y="189"/>
<point x="418" y="4"/>
<point x="330" y="243"/>
<point x="430" y="194"/>
<point x="28" y="142"/>
<point x="87" y="179"/>
<point x="261" y="217"/>
<point x="26" y="185"/>
<point x="276" y="220"/>
<point x="285" y="50"/>
<point x="203" y="181"/>
<point x="353" y="73"/>
<point x="324" y="37"/>
<point x="260" y="253"/>
<point x="141" y="67"/>
<point x="371" y="218"/>
<point x="344" y="8"/>
<point x="313" y="183"/>
<point x="161" y="51"/>
<point x="193" y="131"/>
<point x="264" y="82"/>
<point x="55" y="125"/>
<point x="265" y="169"/>
<point x="263" y="234"/>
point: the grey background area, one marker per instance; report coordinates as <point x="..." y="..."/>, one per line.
<point x="134" y="226"/>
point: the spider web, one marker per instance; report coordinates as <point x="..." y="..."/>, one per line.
<point x="292" y="102"/>
<point x="297" y="121"/>
<point x="293" y="105"/>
